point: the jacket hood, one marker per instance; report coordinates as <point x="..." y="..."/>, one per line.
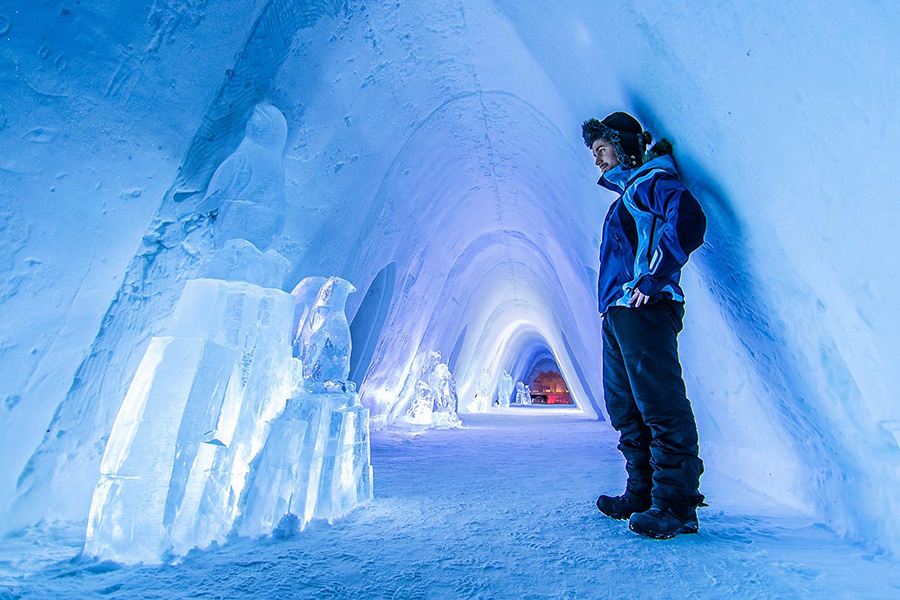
<point x="618" y="178"/>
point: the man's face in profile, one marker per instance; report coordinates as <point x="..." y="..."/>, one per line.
<point x="604" y="155"/>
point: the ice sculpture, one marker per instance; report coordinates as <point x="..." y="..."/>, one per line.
<point x="325" y="334"/>
<point x="246" y="193"/>
<point x="210" y="439"/>
<point x="421" y="406"/>
<point x="523" y="393"/>
<point x="435" y="401"/>
<point x="504" y="389"/>
<point x="304" y="295"/>
<point x="316" y="463"/>
<point x="482" y="402"/>
<point x="444" y="384"/>
<point x="195" y="415"/>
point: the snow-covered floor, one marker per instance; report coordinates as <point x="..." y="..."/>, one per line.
<point x="503" y="508"/>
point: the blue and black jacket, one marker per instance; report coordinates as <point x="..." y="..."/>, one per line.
<point x="648" y="234"/>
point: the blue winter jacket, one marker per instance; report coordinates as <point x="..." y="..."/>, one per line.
<point x="648" y="233"/>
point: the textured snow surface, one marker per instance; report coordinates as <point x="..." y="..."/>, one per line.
<point x="502" y="508"/>
<point x="433" y="158"/>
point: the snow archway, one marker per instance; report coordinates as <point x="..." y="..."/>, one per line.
<point x="443" y="137"/>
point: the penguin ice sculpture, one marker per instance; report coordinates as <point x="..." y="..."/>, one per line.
<point x="246" y="193"/>
<point x="325" y="334"/>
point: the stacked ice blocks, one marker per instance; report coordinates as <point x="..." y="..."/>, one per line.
<point x="207" y="441"/>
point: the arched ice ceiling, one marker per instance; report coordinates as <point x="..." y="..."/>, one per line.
<point x="444" y="137"/>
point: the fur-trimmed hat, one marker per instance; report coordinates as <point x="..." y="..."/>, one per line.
<point x="625" y="134"/>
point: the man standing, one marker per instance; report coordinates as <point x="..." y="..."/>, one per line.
<point x="648" y="234"/>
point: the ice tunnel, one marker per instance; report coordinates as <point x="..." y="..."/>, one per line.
<point x="433" y="158"/>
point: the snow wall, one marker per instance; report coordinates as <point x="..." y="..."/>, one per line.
<point x="434" y="151"/>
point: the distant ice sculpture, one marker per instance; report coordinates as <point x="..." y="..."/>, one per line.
<point x="246" y="193"/>
<point x="504" y="389"/>
<point x="211" y="439"/>
<point x="421" y="406"/>
<point x="523" y="393"/>
<point x="482" y="402"/>
<point x="435" y="401"/>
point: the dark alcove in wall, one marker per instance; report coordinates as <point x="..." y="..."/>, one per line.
<point x="369" y="320"/>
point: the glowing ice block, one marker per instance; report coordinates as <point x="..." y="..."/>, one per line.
<point x="255" y="322"/>
<point x="316" y="411"/>
<point x="127" y="520"/>
<point x="195" y="417"/>
<point x="346" y="478"/>
<point x="325" y="334"/>
<point x="504" y="389"/>
<point x="523" y="393"/>
<point x="269" y="492"/>
<point x="315" y="464"/>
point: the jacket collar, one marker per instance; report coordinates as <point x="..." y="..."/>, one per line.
<point x="616" y="179"/>
<point x="619" y="178"/>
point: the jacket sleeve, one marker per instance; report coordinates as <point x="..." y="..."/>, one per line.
<point x="678" y="229"/>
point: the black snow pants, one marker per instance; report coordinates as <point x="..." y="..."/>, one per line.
<point x="648" y="405"/>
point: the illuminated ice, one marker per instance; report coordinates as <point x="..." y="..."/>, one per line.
<point x="315" y="462"/>
<point x="346" y="478"/>
<point x="193" y="419"/>
<point x="504" y="389"/>
<point x="304" y="294"/>
<point x="131" y="510"/>
<point x="444" y="384"/>
<point x="435" y="400"/>
<point x="325" y="334"/>
<point x="523" y="393"/>
<point x="421" y="406"/>
<point x="482" y="402"/>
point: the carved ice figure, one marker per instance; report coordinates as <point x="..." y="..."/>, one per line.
<point x="422" y="405"/>
<point x="444" y="385"/>
<point x="246" y="193"/>
<point x="435" y="400"/>
<point x="504" y="389"/>
<point x="207" y="440"/>
<point x="523" y="393"/>
<point x="304" y="295"/>
<point x="325" y="334"/>
<point x="445" y="399"/>
<point x="482" y="401"/>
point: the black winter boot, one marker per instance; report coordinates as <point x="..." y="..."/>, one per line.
<point x="663" y="523"/>
<point x="622" y="507"/>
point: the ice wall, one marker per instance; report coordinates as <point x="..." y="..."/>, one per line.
<point x="443" y="138"/>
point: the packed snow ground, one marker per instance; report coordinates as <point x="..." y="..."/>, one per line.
<point x="502" y="508"/>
